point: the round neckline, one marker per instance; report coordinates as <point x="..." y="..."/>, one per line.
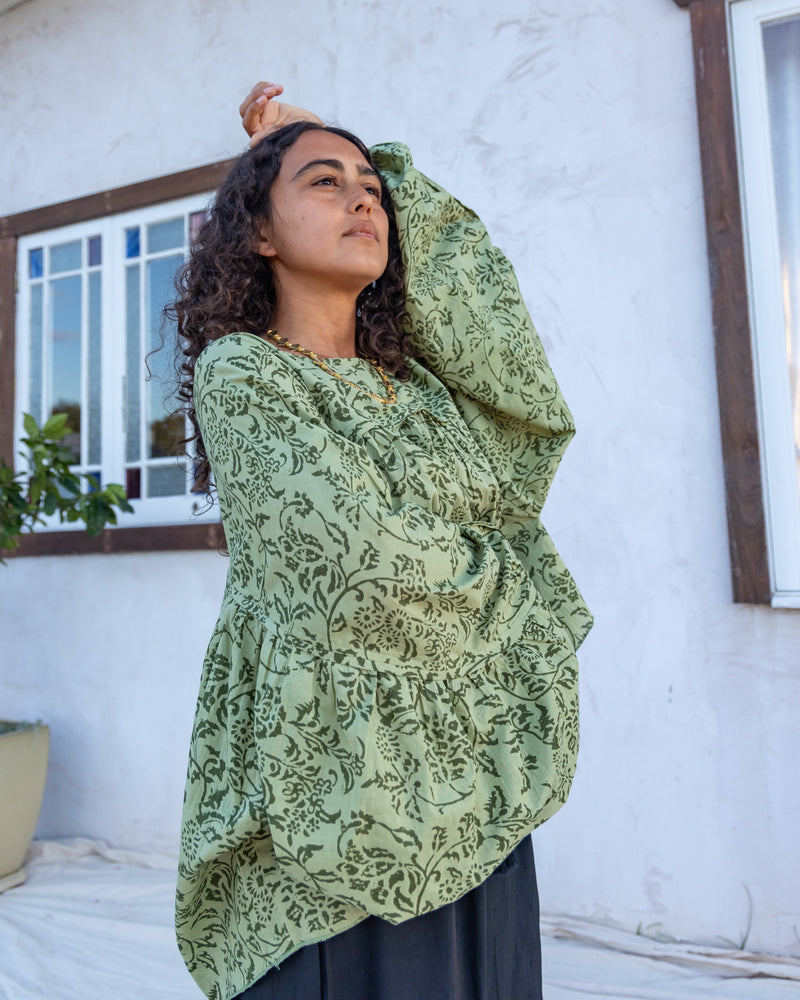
<point x="296" y="354"/>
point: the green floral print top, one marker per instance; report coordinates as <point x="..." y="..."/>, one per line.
<point x="389" y="700"/>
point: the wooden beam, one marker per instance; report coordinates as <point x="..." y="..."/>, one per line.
<point x="732" y="336"/>
<point x="123" y="199"/>
<point x="155" y="538"/>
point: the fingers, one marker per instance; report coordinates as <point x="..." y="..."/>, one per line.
<point x="256" y="137"/>
<point x="262" y="89"/>
<point x="251" y="116"/>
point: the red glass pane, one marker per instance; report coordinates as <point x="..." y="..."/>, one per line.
<point x="133" y="483"/>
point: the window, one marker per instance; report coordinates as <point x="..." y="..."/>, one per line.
<point x="765" y="36"/>
<point x="753" y="289"/>
<point x="90" y="304"/>
<point x="82" y="289"/>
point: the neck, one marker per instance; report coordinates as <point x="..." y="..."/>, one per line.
<point x="325" y="324"/>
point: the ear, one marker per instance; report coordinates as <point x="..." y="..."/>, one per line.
<point x="264" y="245"/>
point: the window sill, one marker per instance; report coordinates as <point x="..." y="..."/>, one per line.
<point x="159" y="538"/>
<point x="787" y="599"/>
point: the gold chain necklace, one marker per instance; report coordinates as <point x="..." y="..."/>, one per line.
<point x="391" y="395"/>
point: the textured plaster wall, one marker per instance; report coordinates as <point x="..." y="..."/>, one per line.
<point x="571" y="129"/>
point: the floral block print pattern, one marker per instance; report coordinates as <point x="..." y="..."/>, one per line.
<point x="389" y="700"/>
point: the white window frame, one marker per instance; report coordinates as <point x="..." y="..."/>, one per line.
<point x="773" y="390"/>
<point x="149" y="511"/>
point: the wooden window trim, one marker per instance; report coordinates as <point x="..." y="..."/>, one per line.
<point x="747" y="532"/>
<point x="151" y="538"/>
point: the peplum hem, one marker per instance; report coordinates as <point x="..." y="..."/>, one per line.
<point x="367" y="789"/>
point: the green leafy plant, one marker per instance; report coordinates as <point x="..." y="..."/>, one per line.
<point x="50" y="487"/>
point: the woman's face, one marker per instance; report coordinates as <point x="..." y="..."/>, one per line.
<point x="327" y="227"/>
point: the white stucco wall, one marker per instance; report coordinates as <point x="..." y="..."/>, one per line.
<point x="570" y="127"/>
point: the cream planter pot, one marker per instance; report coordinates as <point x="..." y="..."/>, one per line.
<point x="23" y="768"/>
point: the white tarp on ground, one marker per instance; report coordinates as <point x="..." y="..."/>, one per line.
<point x="95" y="923"/>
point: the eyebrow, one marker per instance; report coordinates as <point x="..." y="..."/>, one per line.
<point x="363" y="169"/>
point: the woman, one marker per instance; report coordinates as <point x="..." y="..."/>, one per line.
<point x="388" y="706"/>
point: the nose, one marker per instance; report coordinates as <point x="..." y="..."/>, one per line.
<point x="361" y="200"/>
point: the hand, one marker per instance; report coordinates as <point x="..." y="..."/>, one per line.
<point x="261" y="114"/>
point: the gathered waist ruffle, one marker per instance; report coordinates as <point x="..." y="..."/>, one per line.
<point x="537" y="624"/>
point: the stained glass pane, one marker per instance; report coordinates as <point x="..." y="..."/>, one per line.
<point x="133" y="483"/>
<point x="95" y="251"/>
<point x="196" y="220"/>
<point x="35" y="263"/>
<point x="165" y="235"/>
<point x="95" y="375"/>
<point x="162" y="428"/>
<point x="65" y="369"/>
<point x="166" y="480"/>
<point x="133" y="365"/>
<point x="65" y="256"/>
<point x="132" y="242"/>
<point x="35" y="401"/>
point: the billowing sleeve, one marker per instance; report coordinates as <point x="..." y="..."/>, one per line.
<point x="469" y="320"/>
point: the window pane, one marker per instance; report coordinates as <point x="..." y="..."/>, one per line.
<point x="65" y="368"/>
<point x="133" y="483"/>
<point x="36" y="352"/>
<point x="782" y="54"/>
<point x="196" y="220"/>
<point x="162" y="429"/>
<point x="35" y="263"/>
<point x="95" y="251"/>
<point x="65" y="257"/>
<point x="133" y="365"/>
<point x="95" y="374"/>
<point x="132" y="242"/>
<point x="166" y="480"/>
<point x="165" y="235"/>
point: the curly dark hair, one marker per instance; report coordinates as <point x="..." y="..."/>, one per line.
<point x="227" y="287"/>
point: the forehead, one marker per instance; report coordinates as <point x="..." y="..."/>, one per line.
<point x="317" y="144"/>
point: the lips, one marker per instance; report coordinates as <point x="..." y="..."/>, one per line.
<point x="364" y="230"/>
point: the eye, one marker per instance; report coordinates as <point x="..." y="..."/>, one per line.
<point x="324" y="181"/>
<point x="373" y="189"/>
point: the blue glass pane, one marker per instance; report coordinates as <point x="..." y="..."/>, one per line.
<point x="94" y="481"/>
<point x="65" y="256"/>
<point x="95" y="251"/>
<point x="35" y="401"/>
<point x="133" y="365"/>
<point x="35" y="263"/>
<point x="132" y="242"/>
<point x="65" y="370"/>
<point x="165" y="235"/>
<point x="95" y="377"/>
<point x="164" y="430"/>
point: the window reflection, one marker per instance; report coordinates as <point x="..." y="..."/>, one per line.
<point x="65" y="354"/>
<point x="164" y="430"/>
<point x="65" y="257"/>
<point x="781" y="41"/>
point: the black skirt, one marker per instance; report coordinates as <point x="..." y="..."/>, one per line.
<point x="485" y="946"/>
